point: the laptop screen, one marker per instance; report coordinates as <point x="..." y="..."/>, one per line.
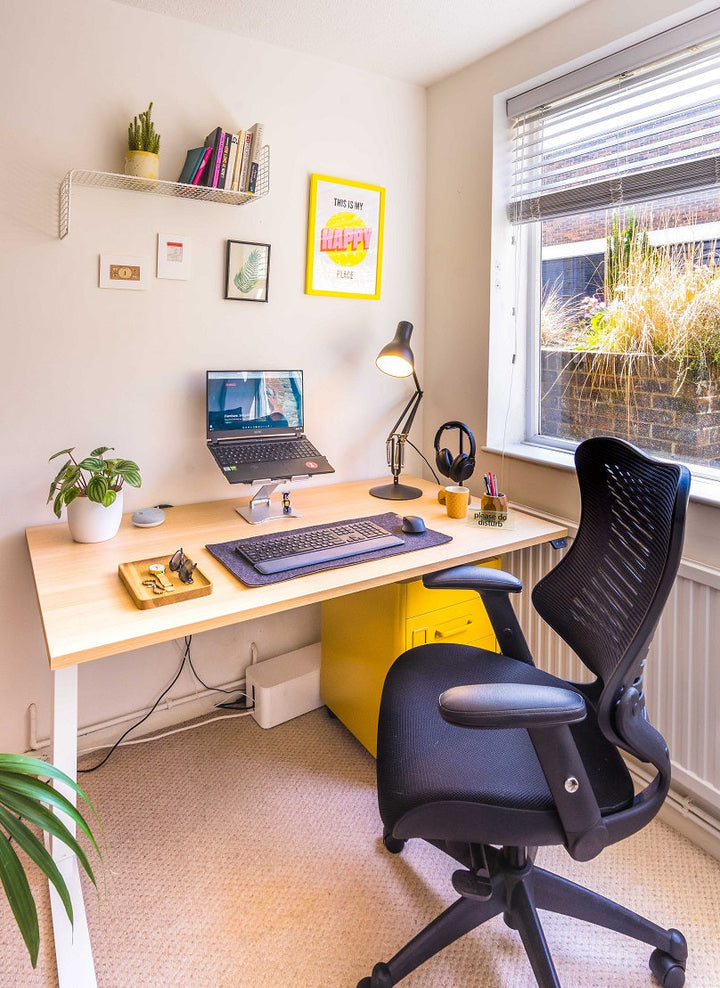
<point x="254" y="403"/>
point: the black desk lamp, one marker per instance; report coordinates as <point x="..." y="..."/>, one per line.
<point x="397" y="360"/>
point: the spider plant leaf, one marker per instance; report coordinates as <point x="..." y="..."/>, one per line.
<point x="17" y="890"/>
<point x="39" y="791"/>
<point x="27" y="765"/>
<point x="247" y="277"/>
<point x="36" y="851"/>
<point x="30" y="809"/>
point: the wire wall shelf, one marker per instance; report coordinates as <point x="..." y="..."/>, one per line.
<point x="157" y="187"/>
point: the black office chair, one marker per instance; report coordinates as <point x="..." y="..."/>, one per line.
<point x="487" y="757"/>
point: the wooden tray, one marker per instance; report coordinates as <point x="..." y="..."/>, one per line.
<point x="133" y="574"/>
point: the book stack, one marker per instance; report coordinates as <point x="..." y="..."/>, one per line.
<point x="226" y="160"/>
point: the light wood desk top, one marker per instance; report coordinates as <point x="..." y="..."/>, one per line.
<point x="87" y="613"/>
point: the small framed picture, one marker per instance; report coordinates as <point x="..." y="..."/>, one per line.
<point x="173" y="257"/>
<point x="122" y="271"/>
<point x="247" y="272"/>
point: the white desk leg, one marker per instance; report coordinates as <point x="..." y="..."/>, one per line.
<point x="72" y="942"/>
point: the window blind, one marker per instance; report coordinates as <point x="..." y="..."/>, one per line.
<point x="646" y="133"/>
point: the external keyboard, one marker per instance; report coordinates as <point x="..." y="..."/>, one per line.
<point x="307" y="546"/>
<point x="266" y="451"/>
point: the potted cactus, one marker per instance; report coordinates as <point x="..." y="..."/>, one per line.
<point x="142" y="158"/>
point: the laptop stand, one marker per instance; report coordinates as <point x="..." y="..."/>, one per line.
<point x="260" y="509"/>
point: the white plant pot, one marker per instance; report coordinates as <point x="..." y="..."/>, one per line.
<point x="92" y="522"/>
<point x="142" y="164"/>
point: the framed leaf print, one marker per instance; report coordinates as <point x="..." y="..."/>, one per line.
<point x="247" y="272"/>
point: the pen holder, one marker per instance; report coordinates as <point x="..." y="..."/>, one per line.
<point x="497" y="503"/>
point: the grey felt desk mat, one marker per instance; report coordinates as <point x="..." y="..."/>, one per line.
<point x="246" y="572"/>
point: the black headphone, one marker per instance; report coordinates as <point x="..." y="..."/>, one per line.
<point x="459" y="467"/>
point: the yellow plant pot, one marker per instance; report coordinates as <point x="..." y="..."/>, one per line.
<point x="142" y="164"/>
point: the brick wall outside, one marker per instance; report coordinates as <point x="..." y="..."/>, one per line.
<point x="588" y="394"/>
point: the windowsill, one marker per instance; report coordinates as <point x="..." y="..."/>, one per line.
<point x="702" y="489"/>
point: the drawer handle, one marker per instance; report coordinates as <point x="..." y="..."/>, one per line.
<point x="456" y="629"/>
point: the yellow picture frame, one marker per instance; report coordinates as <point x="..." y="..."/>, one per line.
<point x="345" y="238"/>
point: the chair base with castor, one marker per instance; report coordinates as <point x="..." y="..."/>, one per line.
<point x="514" y="886"/>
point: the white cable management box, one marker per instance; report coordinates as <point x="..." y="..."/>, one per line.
<point x="285" y="686"/>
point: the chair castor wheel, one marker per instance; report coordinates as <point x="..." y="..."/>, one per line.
<point x="393" y="844"/>
<point x="668" y="971"/>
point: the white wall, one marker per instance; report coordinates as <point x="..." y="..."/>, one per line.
<point x="84" y="366"/>
<point x="459" y="215"/>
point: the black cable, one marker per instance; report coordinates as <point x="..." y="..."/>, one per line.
<point x="437" y="480"/>
<point x="213" y="689"/>
<point x="185" y="658"/>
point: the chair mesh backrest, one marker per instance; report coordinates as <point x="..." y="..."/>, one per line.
<point x="605" y="596"/>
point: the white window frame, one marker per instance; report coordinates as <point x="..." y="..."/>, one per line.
<point x="514" y="352"/>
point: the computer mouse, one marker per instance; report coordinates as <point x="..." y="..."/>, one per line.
<point x="413" y="525"/>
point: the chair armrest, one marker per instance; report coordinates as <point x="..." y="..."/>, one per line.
<point x="494" y="587"/>
<point x="501" y="705"/>
<point x="546" y="713"/>
<point x="472" y="578"/>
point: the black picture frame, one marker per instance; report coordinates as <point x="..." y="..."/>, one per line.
<point x="247" y="271"/>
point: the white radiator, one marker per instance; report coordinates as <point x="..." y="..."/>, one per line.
<point x="682" y="684"/>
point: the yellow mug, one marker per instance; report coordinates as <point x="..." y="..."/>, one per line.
<point x="456" y="501"/>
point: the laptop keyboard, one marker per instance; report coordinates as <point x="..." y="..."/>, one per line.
<point x="281" y="551"/>
<point x="265" y="451"/>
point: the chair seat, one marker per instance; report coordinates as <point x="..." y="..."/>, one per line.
<point x="442" y="782"/>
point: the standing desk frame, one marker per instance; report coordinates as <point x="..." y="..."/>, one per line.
<point x="87" y="613"/>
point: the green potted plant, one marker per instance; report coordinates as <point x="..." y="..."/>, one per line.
<point x="142" y="159"/>
<point x="92" y="492"/>
<point x="25" y="796"/>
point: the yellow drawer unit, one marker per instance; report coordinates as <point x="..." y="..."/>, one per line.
<point x="363" y="634"/>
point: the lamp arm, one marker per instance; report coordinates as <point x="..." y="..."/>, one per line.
<point x="409" y="410"/>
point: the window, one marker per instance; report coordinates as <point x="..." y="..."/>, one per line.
<point x="615" y="216"/>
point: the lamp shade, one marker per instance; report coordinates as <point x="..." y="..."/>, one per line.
<point x="396" y="359"/>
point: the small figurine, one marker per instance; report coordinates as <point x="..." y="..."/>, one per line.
<point x="286" y="503"/>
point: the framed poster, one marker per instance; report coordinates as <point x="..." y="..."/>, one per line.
<point x="345" y="238"/>
<point x="247" y="271"/>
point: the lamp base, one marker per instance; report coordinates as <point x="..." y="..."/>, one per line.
<point x="396" y="492"/>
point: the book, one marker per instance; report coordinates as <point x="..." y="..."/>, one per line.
<point x="232" y="158"/>
<point x="197" y="177"/>
<point x="255" y="152"/>
<point x="238" y="160"/>
<point x="222" y="171"/>
<point x="218" y="160"/>
<point x="193" y="158"/>
<point x="212" y="141"/>
<point x="245" y="166"/>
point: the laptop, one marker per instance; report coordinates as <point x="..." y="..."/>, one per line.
<point x="255" y="424"/>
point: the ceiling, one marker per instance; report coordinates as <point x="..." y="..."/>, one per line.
<point x="417" y="41"/>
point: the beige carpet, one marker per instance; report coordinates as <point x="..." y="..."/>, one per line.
<point x="236" y="856"/>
